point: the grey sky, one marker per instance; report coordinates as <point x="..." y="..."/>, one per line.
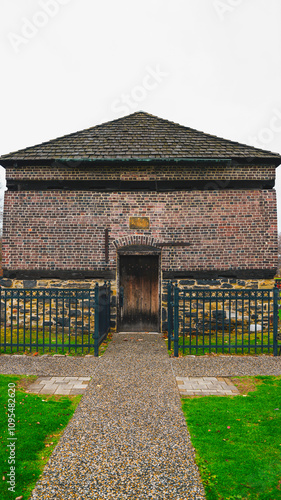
<point x="214" y="65"/>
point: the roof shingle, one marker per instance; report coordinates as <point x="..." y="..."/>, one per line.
<point x="139" y="136"/>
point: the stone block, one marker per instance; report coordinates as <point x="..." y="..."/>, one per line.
<point x="78" y="284"/>
<point x="6" y="283"/>
<point x="63" y="321"/>
<point x="47" y="323"/>
<point x="73" y="313"/>
<point x="219" y="314"/>
<point x="208" y="282"/>
<point x="29" y="284"/>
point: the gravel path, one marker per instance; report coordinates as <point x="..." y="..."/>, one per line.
<point x="128" y="437"/>
<point x="188" y="366"/>
<point x="226" y="366"/>
<point x="48" y="366"/>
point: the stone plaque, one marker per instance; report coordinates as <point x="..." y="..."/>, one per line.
<point x="139" y="223"/>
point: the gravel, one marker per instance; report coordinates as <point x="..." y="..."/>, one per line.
<point x="128" y="437"/>
<point x="226" y="366"/>
<point x="65" y="366"/>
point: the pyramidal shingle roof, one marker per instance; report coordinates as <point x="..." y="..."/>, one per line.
<point x="139" y="136"/>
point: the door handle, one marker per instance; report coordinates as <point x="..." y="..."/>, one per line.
<point x="121" y="297"/>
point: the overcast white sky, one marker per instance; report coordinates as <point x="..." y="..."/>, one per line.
<point x="214" y="65"/>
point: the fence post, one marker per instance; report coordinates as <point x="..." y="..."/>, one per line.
<point x="176" y="322"/>
<point x="1" y="316"/>
<point x="96" y="334"/>
<point x="275" y="319"/>
<point x="169" y="303"/>
<point x="109" y="306"/>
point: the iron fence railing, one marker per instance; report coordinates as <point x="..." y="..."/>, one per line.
<point x="54" y="319"/>
<point x="223" y="321"/>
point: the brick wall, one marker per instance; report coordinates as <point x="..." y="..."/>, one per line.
<point x="226" y="230"/>
<point x="199" y="171"/>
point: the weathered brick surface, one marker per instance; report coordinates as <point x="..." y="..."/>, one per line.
<point x="209" y="172"/>
<point x="227" y="229"/>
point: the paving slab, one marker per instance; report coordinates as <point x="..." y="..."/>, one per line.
<point x="206" y="386"/>
<point x="59" y="385"/>
<point x="128" y="437"/>
<point x="47" y="390"/>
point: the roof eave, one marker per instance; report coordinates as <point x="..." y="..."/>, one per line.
<point x="275" y="160"/>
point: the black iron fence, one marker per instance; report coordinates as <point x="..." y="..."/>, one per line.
<point x="223" y="321"/>
<point x="60" y="320"/>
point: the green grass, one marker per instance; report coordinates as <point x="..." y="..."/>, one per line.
<point x="49" y="340"/>
<point x="209" y="343"/>
<point x="39" y="423"/>
<point x="238" y="441"/>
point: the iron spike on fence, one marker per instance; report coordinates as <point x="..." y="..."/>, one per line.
<point x="170" y="308"/>
<point x="176" y="321"/>
<point x="96" y="333"/>
<point x="275" y="319"/>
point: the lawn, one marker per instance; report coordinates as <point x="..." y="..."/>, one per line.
<point x="219" y="343"/>
<point x="39" y="423"/>
<point x="238" y="440"/>
<point x="48" y="342"/>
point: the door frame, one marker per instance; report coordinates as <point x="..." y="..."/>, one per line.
<point x="138" y="250"/>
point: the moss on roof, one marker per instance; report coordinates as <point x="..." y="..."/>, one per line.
<point x="139" y="136"/>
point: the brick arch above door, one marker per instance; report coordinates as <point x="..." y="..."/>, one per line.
<point x="136" y="240"/>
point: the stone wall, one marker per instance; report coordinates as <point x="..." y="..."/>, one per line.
<point x="221" y="283"/>
<point x="81" y="313"/>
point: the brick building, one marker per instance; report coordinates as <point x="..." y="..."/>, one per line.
<point x="139" y="200"/>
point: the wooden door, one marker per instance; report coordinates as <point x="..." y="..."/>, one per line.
<point x="140" y="289"/>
